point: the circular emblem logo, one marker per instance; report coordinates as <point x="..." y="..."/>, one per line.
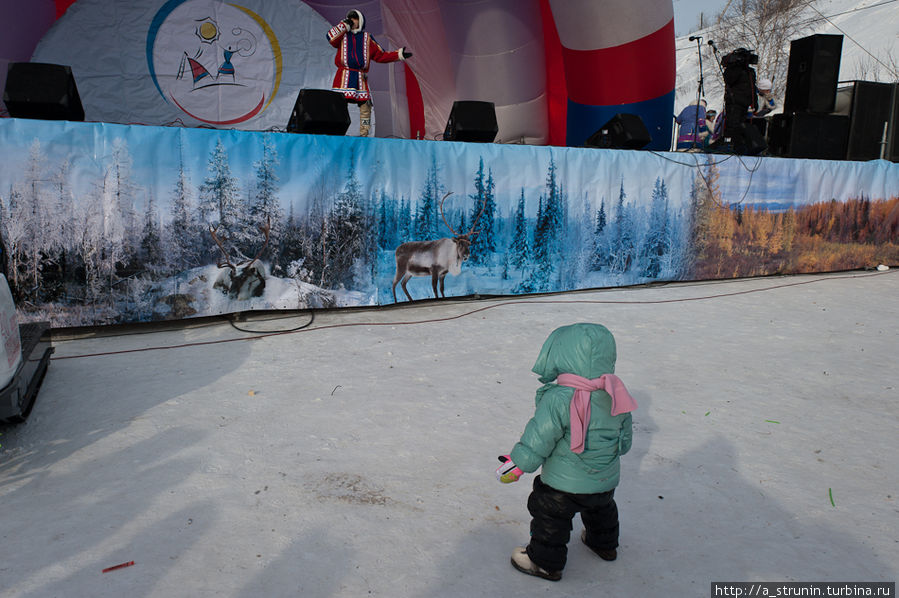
<point x="218" y="63"/>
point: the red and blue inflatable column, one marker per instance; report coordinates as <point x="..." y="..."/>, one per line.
<point x="617" y="57"/>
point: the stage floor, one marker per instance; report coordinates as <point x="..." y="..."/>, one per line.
<point x="355" y="457"/>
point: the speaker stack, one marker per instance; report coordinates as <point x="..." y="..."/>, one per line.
<point x="808" y="128"/>
<point x="473" y="121"/>
<point x="319" y="112"/>
<point x="873" y="111"/>
<point x="622" y="131"/>
<point x="824" y="118"/>
<point x="808" y="135"/>
<point x="42" y="91"/>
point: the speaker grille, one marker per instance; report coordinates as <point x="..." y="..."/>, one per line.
<point x="812" y="74"/>
<point x="622" y="131"/>
<point x="319" y="112"/>
<point x="471" y="120"/>
<point x="804" y="135"/>
<point x="870" y="110"/>
<point x="43" y="91"/>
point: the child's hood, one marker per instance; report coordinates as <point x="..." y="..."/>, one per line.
<point x="586" y="350"/>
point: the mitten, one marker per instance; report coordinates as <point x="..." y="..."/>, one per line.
<point x="406" y="53"/>
<point x="508" y="472"/>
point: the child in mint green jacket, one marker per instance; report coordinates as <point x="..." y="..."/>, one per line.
<point x="582" y="425"/>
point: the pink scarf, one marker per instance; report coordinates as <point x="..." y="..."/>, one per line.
<point x="622" y="402"/>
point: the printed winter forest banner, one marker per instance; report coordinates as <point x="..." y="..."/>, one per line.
<point x="105" y="224"/>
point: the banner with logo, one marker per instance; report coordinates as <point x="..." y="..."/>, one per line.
<point x="191" y="62"/>
<point x="105" y="224"/>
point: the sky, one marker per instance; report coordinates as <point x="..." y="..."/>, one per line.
<point x="686" y="13"/>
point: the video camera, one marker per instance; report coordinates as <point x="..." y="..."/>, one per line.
<point x="740" y="57"/>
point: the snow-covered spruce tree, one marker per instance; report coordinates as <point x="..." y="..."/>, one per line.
<point x="600" y="256"/>
<point x="60" y="265"/>
<point x="578" y="246"/>
<point x="290" y="257"/>
<point x="462" y="224"/>
<point x="219" y="206"/>
<point x="14" y="231"/>
<point x="313" y="233"/>
<point x="32" y="208"/>
<point x="483" y="208"/>
<point x="547" y="236"/>
<point x="404" y="224"/>
<point x="265" y="207"/>
<point x="387" y="224"/>
<point x="427" y="217"/>
<point x="624" y="237"/>
<point x="346" y="237"/>
<point x="124" y="192"/>
<point x="368" y="265"/>
<point x="520" y="247"/>
<point x="183" y="238"/>
<point x="656" y="241"/>
<point x="112" y="245"/>
<point x="151" y="254"/>
<point x="678" y="259"/>
<point x="99" y="233"/>
<point x="534" y="276"/>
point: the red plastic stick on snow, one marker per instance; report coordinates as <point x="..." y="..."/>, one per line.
<point x="120" y="566"/>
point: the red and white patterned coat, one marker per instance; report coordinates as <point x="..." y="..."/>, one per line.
<point x="355" y="51"/>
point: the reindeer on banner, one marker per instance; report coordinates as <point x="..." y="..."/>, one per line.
<point x="434" y="258"/>
<point x="245" y="279"/>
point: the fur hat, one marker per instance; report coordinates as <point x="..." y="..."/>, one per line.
<point x="764" y="84"/>
<point x="357" y="14"/>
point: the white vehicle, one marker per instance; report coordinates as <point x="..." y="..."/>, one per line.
<point x="24" y="356"/>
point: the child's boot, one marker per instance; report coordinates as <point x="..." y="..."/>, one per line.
<point x="522" y="562"/>
<point x="606" y="555"/>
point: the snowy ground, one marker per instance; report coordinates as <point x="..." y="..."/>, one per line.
<point x="356" y="457"/>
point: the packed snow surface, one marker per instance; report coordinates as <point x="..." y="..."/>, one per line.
<point x="355" y="457"/>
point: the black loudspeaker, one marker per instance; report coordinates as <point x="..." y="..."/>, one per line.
<point x="870" y="109"/>
<point x="804" y="135"/>
<point x="319" y="112"/>
<point x="623" y="131"/>
<point x="812" y="74"/>
<point x="753" y="142"/>
<point x="43" y="91"/>
<point x="471" y="120"/>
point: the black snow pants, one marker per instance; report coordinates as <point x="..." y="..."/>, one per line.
<point x="552" y="511"/>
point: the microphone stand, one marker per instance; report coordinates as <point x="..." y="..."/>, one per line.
<point x="720" y="70"/>
<point x="699" y="88"/>
<point x="717" y="58"/>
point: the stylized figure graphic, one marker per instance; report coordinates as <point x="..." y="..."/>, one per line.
<point x="227" y="68"/>
<point x="197" y="70"/>
<point x="221" y="62"/>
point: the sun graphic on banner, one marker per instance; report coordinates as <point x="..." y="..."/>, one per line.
<point x="218" y="63"/>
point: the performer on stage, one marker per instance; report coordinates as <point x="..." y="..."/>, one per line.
<point x="355" y="51"/>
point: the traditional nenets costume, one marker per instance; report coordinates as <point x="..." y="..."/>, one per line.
<point x="355" y="51"/>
